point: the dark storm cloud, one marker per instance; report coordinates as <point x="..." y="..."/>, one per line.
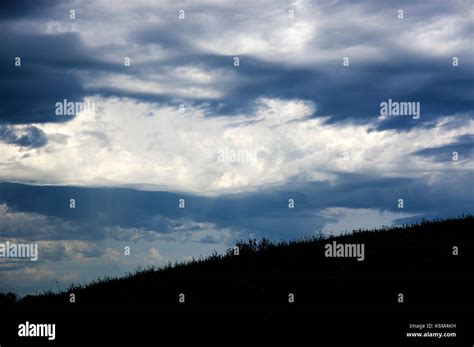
<point x="355" y="94"/>
<point x="26" y="137"/>
<point x="262" y="213"/>
<point x="53" y="64"/>
<point x="345" y="93"/>
<point x="28" y="94"/>
<point x="464" y="147"/>
<point x="352" y="93"/>
<point x="15" y="9"/>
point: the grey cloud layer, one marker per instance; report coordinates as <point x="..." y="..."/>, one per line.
<point x="87" y="59"/>
<point x="152" y="215"/>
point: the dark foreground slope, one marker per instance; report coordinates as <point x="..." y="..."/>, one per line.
<point x="419" y="274"/>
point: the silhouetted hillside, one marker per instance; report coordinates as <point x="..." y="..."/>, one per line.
<point x="416" y="260"/>
<point x="279" y="293"/>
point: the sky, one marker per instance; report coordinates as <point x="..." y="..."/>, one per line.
<point x="190" y="125"/>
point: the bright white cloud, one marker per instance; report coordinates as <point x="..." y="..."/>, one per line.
<point x="131" y="143"/>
